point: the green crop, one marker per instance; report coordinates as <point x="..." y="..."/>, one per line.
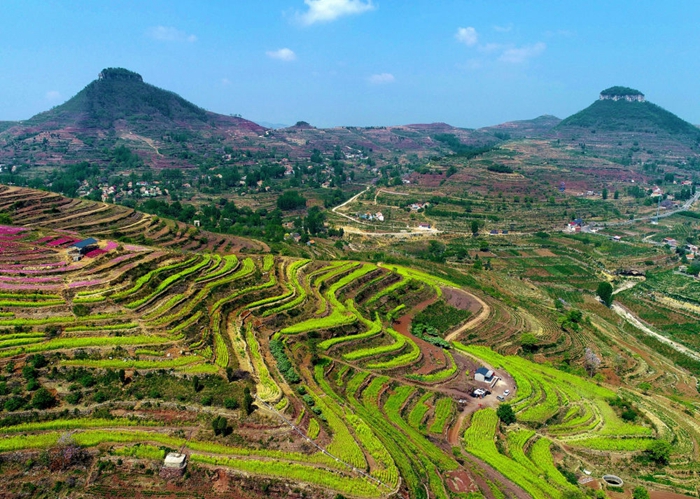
<point x="417" y="414"/>
<point x="70" y="343"/>
<point x="268" y="390"/>
<point x="147" y="277"/>
<point x="314" y="429"/>
<point x="136" y="364"/>
<point x="444" y="408"/>
<point x="373" y="351"/>
<point x="230" y="263"/>
<point x="168" y="281"/>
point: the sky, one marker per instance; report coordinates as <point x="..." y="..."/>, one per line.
<point x="469" y="63"/>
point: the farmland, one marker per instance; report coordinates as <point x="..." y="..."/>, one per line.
<point x="265" y="365"/>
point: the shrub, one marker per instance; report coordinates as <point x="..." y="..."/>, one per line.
<point x="230" y="403"/>
<point x="283" y="363"/>
<point x="100" y="397"/>
<point x="220" y="426"/>
<point x="247" y="401"/>
<point x="640" y="493"/>
<point x="14" y="404"/>
<point x="42" y="399"/>
<point x="605" y="291"/>
<point x="505" y="414"/>
<point x="81" y="310"/>
<point x="659" y="451"/>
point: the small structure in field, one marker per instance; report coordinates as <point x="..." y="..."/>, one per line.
<point x="85" y="246"/>
<point x="484" y="375"/>
<point x="174" y="465"/>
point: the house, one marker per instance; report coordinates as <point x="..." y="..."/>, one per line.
<point x="424" y="226"/>
<point x="174" y="465"/>
<point x="670" y="241"/>
<point x="484" y="375"/>
<point x="494" y="232"/>
<point x="84" y="246"/>
<point x="687" y="182"/>
<point x="656" y="191"/>
<point x="379" y="216"/>
<point x="574" y="226"/>
<point x="616" y="238"/>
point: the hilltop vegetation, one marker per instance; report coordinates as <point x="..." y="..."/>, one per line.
<point x="624" y="116"/>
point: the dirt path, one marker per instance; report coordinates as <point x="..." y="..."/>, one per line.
<point x="388" y="192"/>
<point x="432" y="355"/>
<point x="455" y="429"/>
<point x="626" y="285"/>
<point x="493" y="476"/>
<point x="636" y="322"/>
<point x="472" y="323"/>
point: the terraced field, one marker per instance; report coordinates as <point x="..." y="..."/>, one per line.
<point x="142" y="349"/>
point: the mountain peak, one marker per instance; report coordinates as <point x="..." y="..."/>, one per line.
<point x="119" y="74"/>
<point x="622" y="93"/>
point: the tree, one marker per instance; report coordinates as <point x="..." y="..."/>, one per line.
<point x="81" y="310"/>
<point x="247" y="401"/>
<point x="475" y="227"/>
<point x="314" y="220"/>
<point x="220" y="425"/>
<point x="42" y="399"/>
<point x="529" y="342"/>
<point x="659" y="451"/>
<point x="230" y="403"/>
<point x="196" y="385"/>
<point x="616" y="195"/>
<point x="291" y="200"/>
<point x="505" y="414"/>
<point x="592" y="361"/>
<point x="605" y="292"/>
<point x="640" y="493"/>
<point x="605" y="193"/>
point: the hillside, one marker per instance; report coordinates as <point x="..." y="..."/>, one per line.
<point x="274" y="374"/>
<point x="165" y="130"/>
<point x="622" y="122"/>
<point x="538" y="127"/>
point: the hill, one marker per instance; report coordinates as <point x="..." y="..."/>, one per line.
<point x="622" y="119"/>
<point x="538" y="127"/>
<point x="348" y="378"/>
<point x="165" y="130"/>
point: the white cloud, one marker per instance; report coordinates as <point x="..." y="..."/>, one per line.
<point x="53" y="95"/>
<point x="503" y="29"/>
<point x="467" y="36"/>
<point x="519" y="55"/>
<point x="169" y="34"/>
<point x="225" y="82"/>
<point x="381" y="78"/>
<point x="283" y="54"/>
<point x="489" y="48"/>
<point x="322" y="11"/>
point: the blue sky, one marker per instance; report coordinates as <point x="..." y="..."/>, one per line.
<point x="469" y="63"/>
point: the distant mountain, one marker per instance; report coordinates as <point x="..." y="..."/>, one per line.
<point x="274" y="126"/>
<point x="164" y="130"/>
<point x="121" y="95"/>
<point x="537" y="127"/>
<point x="625" y="110"/>
<point x="4" y="125"/>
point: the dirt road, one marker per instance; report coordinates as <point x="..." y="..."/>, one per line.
<point x="634" y="320"/>
<point x="472" y="323"/>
